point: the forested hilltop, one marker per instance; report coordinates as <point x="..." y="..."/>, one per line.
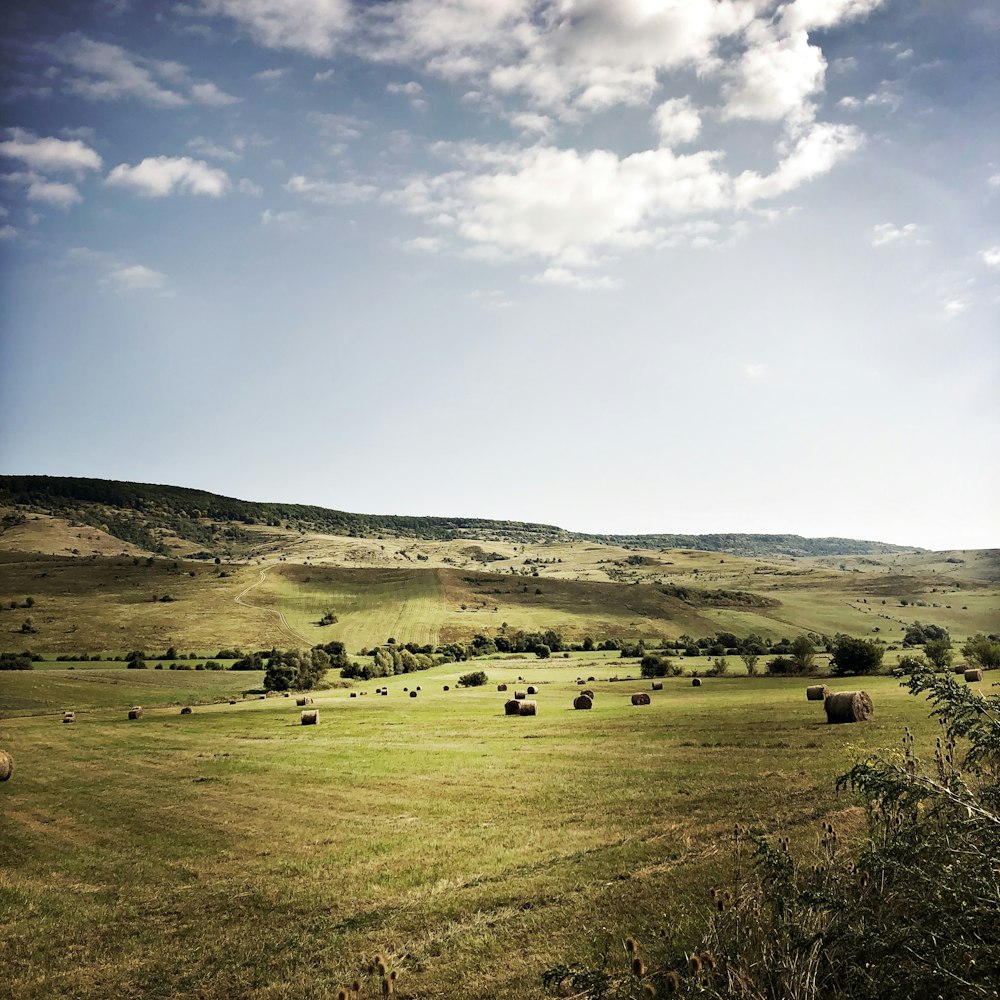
<point x="142" y="513"/>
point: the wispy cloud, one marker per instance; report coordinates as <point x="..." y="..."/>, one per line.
<point x="886" y="233"/>
<point x="101" y="71"/>
<point x="330" y="192"/>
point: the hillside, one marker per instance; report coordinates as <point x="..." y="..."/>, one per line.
<point x="155" y="518"/>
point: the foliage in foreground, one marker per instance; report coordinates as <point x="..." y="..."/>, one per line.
<point x="913" y="914"/>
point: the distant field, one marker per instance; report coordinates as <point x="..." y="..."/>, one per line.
<point x="235" y="853"/>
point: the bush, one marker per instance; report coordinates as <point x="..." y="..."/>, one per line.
<point x="656" y="666"/>
<point x="783" y="666"/>
<point x="16" y="661"/>
<point x="542" y="651"/>
<point x="476" y="679"/>
<point x="137" y="664"/>
<point x="855" y="656"/>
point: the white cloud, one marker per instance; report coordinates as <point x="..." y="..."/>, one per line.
<point x="412" y="88"/>
<point x="54" y="193"/>
<point x="136" y="277"/>
<point x="754" y="370"/>
<point x="206" y="147"/>
<point x="531" y="122"/>
<point x="283" y="220"/>
<point x="423" y="244"/>
<point x="8" y="233"/>
<point x="573" y="279"/>
<point x="491" y="299"/>
<point x="993" y="180"/>
<point x="341" y="127"/>
<point x="108" y="73"/>
<point x="572" y="208"/>
<point x="775" y="77"/>
<point x="886" y="233"/>
<point x="991" y="257"/>
<point x="159" y="176"/>
<point x="811" y="14"/>
<point x="49" y="154"/>
<point x="269" y="77"/>
<point x="887" y="96"/>
<point x="248" y="187"/>
<point x="330" y="192"/>
<point x="816" y="152"/>
<point x="325" y="76"/>
<point x="310" y="26"/>
<point x="953" y="307"/>
<point x="677" y="121"/>
<point x="211" y="95"/>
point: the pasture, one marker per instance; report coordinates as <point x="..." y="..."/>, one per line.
<point x="234" y="852"/>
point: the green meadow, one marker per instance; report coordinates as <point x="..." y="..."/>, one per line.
<point x="234" y="852"/>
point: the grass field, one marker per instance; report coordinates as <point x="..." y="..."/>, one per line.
<point x="233" y="852"/>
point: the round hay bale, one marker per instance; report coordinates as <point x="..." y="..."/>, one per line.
<point x="973" y="675"/>
<point x="6" y="765"/>
<point x="591" y="678"/>
<point x="848" y="706"/>
<point x="447" y="688"/>
<point x="587" y="693"/>
<point x="512" y="707"/>
<point x="413" y="694"/>
<point x="520" y="695"/>
<point x="501" y="687"/>
<point x="186" y="710"/>
<point x="69" y="716"/>
<point x="302" y="702"/>
<point x="310" y="717"/>
<point x="817" y="692"/>
<point x="528" y="708"/>
<point x="406" y="689"/>
<point x="418" y="687"/>
<point x="696" y="682"/>
<point x="657" y="686"/>
<point x="580" y="680"/>
<point x="640" y="699"/>
<point x="135" y="713"/>
<point x="582" y="701"/>
<point x="520" y="678"/>
<point x="354" y="694"/>
<point x="532" y="690"/>
<point x="384" y="691"/>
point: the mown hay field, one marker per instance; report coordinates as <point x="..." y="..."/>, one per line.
<point x="234" y="852"/>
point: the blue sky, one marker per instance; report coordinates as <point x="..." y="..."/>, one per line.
<point x="618" y="265"/>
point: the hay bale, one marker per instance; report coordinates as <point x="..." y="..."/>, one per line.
<point x="186" y="710"/>
<point x="532" y="690"/>
<point x="520" y="695"/>
<point x="69" y="716"/>
<point x="817" y="692"/>
<point x="310" y="717"/>
<point x="413" y="694"/>
<point x="232" y="701"/>
<point x="580" y="680"/>
<point x="6" y="765"/>
<point x="302" y="702"/>
<point x="848" y="706"/>
<point x="696" y="682"/>
<point x="135" y="713"/>
<point x="512" y="707"/>
<point x="591" y="678"/>
<point x="582" y="701"/>
<point x="354" y="694"/>
<point x="406" y="689"/>
<point x="657" y="686"/>
<point x="973" y="675"/>
<point x="640" y="699"/>
<point x="528" y="708"/>
<point x="587" y="693"/>
<point x="447" y="688"/>
<point x="501" y="687"/>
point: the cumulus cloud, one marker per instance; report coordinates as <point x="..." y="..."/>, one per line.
<point x="49" y="154"/>
<point x="54" y="193"/>
<point x="159" y="176"/>
<point x="330" y="192"/>
<point x="412" y="88"/>
<point x="677" y="121"/>
<point x="310" y="26"/>
<point x="101" y="71"/>
<point x="571" y="207"/>
<point x="991" y="257"/>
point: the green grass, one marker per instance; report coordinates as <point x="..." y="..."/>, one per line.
<point x="235" y="853"/>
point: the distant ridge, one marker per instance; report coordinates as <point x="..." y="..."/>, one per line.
<point x="142" y="512"/>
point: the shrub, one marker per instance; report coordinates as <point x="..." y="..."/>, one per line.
<point x="16" y="661"/>
<point x="855" y="656"/>
<point x="476" y="679"/>
<point x="542" y="651"/>
<point x="783" y="665"/>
